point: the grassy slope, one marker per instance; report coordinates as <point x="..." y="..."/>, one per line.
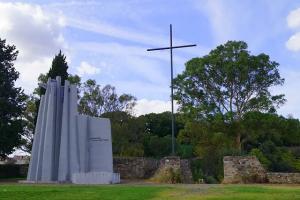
<point x="236" y="192"/>
<point x="124" y="192"/>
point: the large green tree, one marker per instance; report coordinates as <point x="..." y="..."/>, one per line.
<point x="160" y="123"/>
<point x="128" y="133"/>
<point x="230" y="82"/>
<point x="96" y="100"/>
<point x="12" y="101"/>
<point x="59" y="67"/>
<point x="29" y="119"/>
<point x="274" y="140"/>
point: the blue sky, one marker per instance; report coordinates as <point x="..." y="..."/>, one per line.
<point x="107" y="40"/>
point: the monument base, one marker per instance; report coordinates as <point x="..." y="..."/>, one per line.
<point x="38" y="182"/>
<point x="96" y="178"/>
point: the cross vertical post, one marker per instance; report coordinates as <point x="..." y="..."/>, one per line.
<point x="172" y="98"/>
<point x="171" y="47"/>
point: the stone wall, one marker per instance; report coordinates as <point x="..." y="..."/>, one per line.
<point x="248" y="169"/>
<point x="129" y="168"/>
<point x="177" y="164"/>
<point x="170" y="162"/>
<point x="135" y="167"/>
<point x="144" y="168"/>
<point x="243" y="169"/>
<point x="276" y="177"/>
<point x="186" y="171"/>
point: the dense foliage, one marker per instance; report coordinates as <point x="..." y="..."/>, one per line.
<point x="228" y="82"/>
<point x="29" y="119"/>
<point x="95" y="100"/>
<point x="132" y="136"/>
<point x="273" y="139"/>
<point x="59" y="67"/>
<point x="229" y="110"/>
<point x="12" y="101"/>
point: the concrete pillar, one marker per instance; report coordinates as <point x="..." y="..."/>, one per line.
<point x="48" y="157"/>
<point x="64" y="159"/>
<point x="42" y="135"/>
<point x="32" y="175"/>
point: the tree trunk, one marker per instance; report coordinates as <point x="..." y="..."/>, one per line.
<point x="238" y="142"/>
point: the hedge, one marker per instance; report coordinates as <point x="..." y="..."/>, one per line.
<point x="13" y="171"/>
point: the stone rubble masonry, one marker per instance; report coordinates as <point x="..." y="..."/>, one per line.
<point x="243" y="169"/>
<point x="135" y="167"/>
<point x="277" y="177"/>
<point x="186" y="172"/>
<point x="248" y="169"/>
<point x="144" y="168"/>
<point x="177" y="164"/>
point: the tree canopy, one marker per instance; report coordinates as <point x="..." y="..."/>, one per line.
<point x="59" y="67"/>
<point x="96" y="100"/>
<point x="160" y="124"/>
<point x="12" y="101"/>
<point x="228" y="82"/>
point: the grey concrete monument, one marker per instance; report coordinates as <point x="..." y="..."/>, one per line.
<point x="69" y="147"/>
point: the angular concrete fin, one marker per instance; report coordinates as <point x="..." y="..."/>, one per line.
<point x="64" y="158"/>
<point x="48" y="157"/>
<point x="36" y="143"/>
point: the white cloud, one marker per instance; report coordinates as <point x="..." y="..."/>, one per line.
<point x="221" y="18"/>
<point x="134" y="70"/>
<point x="293" y="19"/>
<point x="145" y="106"/>
<point x="86" y="69"/>
<point x="133" y="60"/>
<point x="116" y="32"/>
<point x="128" y="34"/>
<point x="29" y="72"/>
<point x="36" y="34"/>
<point x="112" y="48"/>
<point x="293" y="43"/>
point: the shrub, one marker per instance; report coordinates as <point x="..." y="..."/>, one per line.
<point x="260" y="156"/>
<point x="197" y="170"/>
<point x="135" y="150"/>
<point x="203" y="173"/>
<point x="168" y="175"/>
<point x="185" y="150"/>
<point x="210" y="180"/>
<point x="156" y="146"/>
<point x="12" y="171"/>
<point x="253" y="178"/>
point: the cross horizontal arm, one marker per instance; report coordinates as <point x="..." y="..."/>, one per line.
<point x="173" y="47"/>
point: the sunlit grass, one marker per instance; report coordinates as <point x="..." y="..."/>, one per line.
<point x="154" y="192"/>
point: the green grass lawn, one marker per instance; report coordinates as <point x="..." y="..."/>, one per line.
<point x="138" y="192"/>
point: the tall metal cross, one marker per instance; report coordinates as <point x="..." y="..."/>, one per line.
<point x="171" y="47"/>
